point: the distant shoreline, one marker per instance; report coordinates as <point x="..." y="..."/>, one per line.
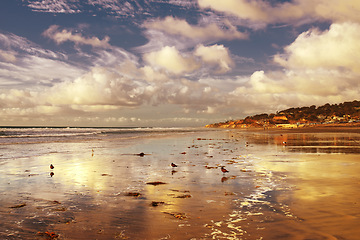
<point x="333" y="127"/>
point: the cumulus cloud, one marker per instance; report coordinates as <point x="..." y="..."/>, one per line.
<point x="318" y="67"/>
<point x="260" y="83"/>
<point x="15" y="98"/>
<point x="171" y="31"/>
<point x="215" y="55"/>
<point x="182" y="28"/>
<point x="170" y="59"/>
<point x="335" y="48"/>
<point x="297" y="11"/>
<point x="215" y="59"/>
<point x="64" y="35"/>
<point x="107" y="90"/>
<point x="275" y="90"/>
<point x="100" y="87"/>
<point x="58" y="89"/>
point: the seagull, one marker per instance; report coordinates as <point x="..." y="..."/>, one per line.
<point x="224" y="170"/>
<point x="51" y="166"/>
<point x="173" y="165"/>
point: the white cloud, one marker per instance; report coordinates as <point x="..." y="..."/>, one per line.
<point x="108" y="89"/>
<point x="55" y="87"/>
<point x="170" y="59"/>
<point x="179" y="33"/>
<point x="215" y="59"/>
<point x="105" y="89"/>
<point x="335" y="48"/>
<point x="277" y="90"/>
<point x="215" y="55"/>
<point x="64" y="35"/>
<point x="260" y="83"/>
<point x="319" y="67"/>
<point x="100" y="87"/>
<point x="294" y="12"/>
<point x="180" y="27"/>
<point x="17" y="99"/>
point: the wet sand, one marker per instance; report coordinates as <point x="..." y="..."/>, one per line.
<point x="304" y="189"/>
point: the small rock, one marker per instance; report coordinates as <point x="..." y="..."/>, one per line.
<point x="155" y="204"/>
<point x="133" y="194"/>
<point x="155" y="183"/>
<point x="19" y="205"/>
<point x="184" y="196"/>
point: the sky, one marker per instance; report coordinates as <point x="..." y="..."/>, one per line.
<point x="170" y="63"/>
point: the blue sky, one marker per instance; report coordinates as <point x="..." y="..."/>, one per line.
<point x="174" y="62"/>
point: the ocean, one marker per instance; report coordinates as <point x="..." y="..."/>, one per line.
<point x="118" y="183"/>
<point x="18" y="135"/>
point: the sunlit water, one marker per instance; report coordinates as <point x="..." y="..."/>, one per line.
<point x="279" y="186"/>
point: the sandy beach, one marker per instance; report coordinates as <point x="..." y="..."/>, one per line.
<point x="280" y="185"/>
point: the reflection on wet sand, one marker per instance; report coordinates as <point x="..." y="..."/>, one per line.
<point x="301" y="190"/>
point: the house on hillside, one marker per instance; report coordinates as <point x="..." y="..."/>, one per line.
<point x="280" y="120"/>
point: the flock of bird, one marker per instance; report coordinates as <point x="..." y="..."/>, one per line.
<point x="173" y="165"/>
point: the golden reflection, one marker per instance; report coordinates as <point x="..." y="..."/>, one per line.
<point x="79" y="172"/>
<point x="319" y="175"/>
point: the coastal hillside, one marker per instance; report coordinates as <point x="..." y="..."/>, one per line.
<point x="347" y="112"/>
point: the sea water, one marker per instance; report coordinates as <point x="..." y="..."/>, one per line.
<point x="280" y="185"/>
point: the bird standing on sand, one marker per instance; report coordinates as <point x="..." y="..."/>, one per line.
<point x="51" y="166"/>
<point x="224" y="170"/>
<point x="173" y="165"/>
